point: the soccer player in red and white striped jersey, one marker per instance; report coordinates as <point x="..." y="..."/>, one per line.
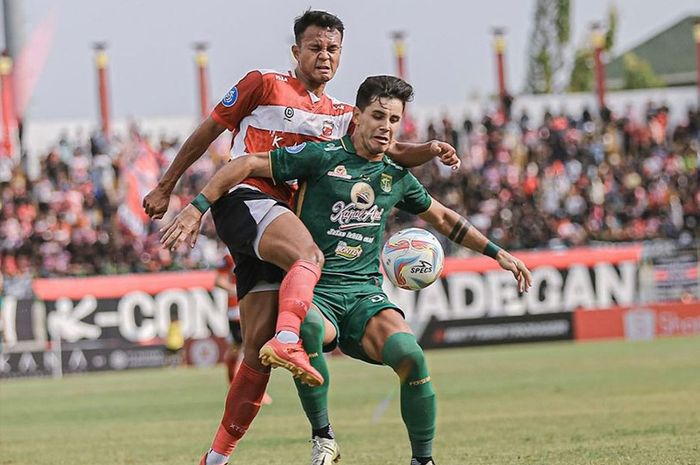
<point x="266" y="110"/>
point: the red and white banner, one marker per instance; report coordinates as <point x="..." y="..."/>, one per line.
<point x="638" y="321"/>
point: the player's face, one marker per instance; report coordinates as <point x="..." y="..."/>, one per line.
<point x="318" y="54"/>
<point x="377" y="125"/>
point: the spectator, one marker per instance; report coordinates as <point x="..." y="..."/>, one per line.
<point x="567" y="181"/>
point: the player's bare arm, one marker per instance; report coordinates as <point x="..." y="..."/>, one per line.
<point x="410" y="155"/>
<point x="460" y="231"/>
<point x="156" y="202"/>
<point x="185" y="226"/>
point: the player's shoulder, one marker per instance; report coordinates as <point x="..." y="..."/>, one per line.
<point x="339" y="105"/>
<point x="393" y="167"/>
<point x="320" y="147"/>
<point x="273" y="76"/>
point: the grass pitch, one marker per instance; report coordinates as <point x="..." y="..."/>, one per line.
<point x="594" y="403"/>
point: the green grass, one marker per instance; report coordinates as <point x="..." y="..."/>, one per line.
<point x="595" y="403"/>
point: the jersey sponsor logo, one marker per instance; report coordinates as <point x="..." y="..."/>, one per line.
<point x="348" y="252"/>
<point x="348" y="216"/>
<point x="230" y="97"/>
<point x="332" y="147"/>
<point x="362" y="195"/>
<point x="359" y="213"/>
<point x="294" y="149"/>
<point x="288" y="113"/>
<point x="327" y="128"/>
<point x="339" y="172"/>
<point x="281" y="78"/>
<point x="385" y="182"/>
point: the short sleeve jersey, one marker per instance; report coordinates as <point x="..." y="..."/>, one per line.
<point x="267" y="110"/>
<point x="344" y="201"/>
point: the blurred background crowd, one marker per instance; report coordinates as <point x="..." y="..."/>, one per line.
<point x="565" y="181"/>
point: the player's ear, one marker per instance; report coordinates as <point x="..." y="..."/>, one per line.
<point x="355" y="115"/>
<point x="295" y="52"/>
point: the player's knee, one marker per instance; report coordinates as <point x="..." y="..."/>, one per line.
<point x="403" y="354"/>
<point x="412" y="355"/>
<point x="312" y="330"/>
<point x="310" y="253"/>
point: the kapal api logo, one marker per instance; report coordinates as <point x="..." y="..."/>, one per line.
<point x="362" y="195"/>
<point x="360" y="212"/>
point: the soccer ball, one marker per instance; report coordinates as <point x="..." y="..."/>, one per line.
<point x="412" y="258"/>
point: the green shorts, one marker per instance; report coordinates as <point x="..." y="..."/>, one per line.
<point x="349" y="308"/>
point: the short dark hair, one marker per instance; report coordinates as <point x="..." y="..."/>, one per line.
<point x="376" y="87"/>
<point x="316" y="18"/>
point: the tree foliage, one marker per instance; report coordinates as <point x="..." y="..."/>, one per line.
<point x="637" y="73"/>
<point x="550" y="36"/>
<point x="582" y="77"/>
<point x="582" y="72"/>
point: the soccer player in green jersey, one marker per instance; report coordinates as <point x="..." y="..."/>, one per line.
<point x="349" y="187"/>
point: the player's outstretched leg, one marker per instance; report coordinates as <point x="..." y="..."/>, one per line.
<point x="243" y="402"/>
<point x="418" y="406"/>
<point x="247" y="390"/>
<point x="314" y="400"/>
<point x="287" y="243"/>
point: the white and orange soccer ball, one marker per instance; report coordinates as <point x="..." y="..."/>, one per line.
<point x="412" y="259"/>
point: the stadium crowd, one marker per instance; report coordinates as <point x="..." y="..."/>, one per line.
<point x="562" y="181"/>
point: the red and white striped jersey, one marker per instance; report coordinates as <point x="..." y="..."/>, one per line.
<point x="267" y="110"/>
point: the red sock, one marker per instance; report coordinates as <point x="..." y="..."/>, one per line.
<point x="242" y="404"/>
<point x="296" y="292"/>
<point x="232" y="360"/>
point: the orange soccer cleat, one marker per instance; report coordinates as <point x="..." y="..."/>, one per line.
<point x="292" y="357"/>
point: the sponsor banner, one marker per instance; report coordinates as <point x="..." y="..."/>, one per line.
<point x="670" y="273"/>
<point x="126" y="313"/>
<point x="117" y="286"/>
<point x="79" y="360"/>
<point x="641" y="322"/>
<point x="500" y="330"/>
<point x="562" y="281"/>
<point x="205" y="352"/>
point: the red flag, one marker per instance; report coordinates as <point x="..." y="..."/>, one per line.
<point x="139" y="176"/>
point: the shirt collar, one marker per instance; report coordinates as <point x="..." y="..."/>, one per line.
<point x="314" y="98"/>
<point x="347" y="144"/>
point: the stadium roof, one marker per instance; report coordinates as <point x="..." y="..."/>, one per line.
<point x="670" y="52"/>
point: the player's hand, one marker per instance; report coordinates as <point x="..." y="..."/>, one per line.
<point x="517" y="267"/>
<point x="446" y="153"/>
<point x="156" y="203"/>
<point x="183" y="228"/>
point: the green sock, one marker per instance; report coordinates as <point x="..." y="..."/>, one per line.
<point x="314" y="400"/>
<point x="418" y="406"/>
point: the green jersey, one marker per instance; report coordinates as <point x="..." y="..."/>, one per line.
<point x="344" y="200"/>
